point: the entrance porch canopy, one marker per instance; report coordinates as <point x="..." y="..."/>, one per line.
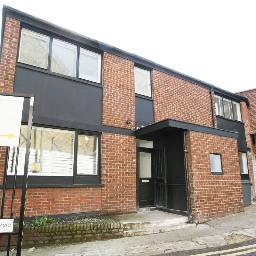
<point x="170" y="123"/>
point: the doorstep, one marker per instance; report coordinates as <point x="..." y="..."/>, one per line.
<point x="151" y="221"/>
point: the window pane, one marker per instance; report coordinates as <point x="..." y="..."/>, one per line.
<point x="34" y="49"/>
<point x="142" y="82"/>
<point x="243" y="163"/>
<point x="145" y="143"/>
<point x="218" y="105"/>
<point x="89" y="65"/>
<point x="237" y="111"/>
<point x="63" y="58"/>
<point x="145" y="165"/>
<point x="87" y="155"/>
<point x="216" y="166"/>
<point x="227" y="106"/>
<point x="51" y="152"/>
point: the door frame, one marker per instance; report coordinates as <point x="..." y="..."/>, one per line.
<point x="147" y="150"/>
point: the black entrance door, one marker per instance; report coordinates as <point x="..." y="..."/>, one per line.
<point x="146" y="185"/>
<point x="169" y="167"/>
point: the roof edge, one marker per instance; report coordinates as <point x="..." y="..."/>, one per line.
<point x="25" y="17"/>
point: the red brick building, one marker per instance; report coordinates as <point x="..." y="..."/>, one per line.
<point x="113" y="132"/>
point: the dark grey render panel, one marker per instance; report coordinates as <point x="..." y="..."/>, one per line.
<point x="235" y="126"/>
<point x="57" y="98"/>
<point x="246" y="186"/>
<point x="144" y="111"/>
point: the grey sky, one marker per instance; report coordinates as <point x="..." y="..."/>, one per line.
<point x="212" y="40"/>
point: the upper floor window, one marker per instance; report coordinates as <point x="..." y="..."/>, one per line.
<point x="227" y="108"/>
<point x="142" y="82"/>
<point x="34" y="48"/>
<point x="89" y="65"/>
<point x="63" y="59"/>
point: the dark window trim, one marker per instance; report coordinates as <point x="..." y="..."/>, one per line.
<point x="65" y="181"/>
<point x="66" y="40"/>
<point x="151" y="81"/>
<point x="222" y="171"/>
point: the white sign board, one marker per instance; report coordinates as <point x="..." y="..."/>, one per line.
<point x="10" y="115"/>
<point x="6" y="225"/>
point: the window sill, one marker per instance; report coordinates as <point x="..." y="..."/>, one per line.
<point x="236" y="121"/>
<point x="56" y="181"/>
<point x="87" y="82"/>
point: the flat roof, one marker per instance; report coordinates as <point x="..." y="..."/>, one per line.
<point x="97" y="45"/>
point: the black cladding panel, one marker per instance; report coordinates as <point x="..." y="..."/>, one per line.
<point x="235" y="126"/>
<point x="58" y="98"/>
<point x="144" y="111"/>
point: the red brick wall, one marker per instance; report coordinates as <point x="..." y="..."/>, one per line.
<point x="118" y="92"/>
<point x="249" y="119"/>
<point x="118" y="173"/>
<point x="177" y="99"/>
<point x="213" y="195"/>
<point x="53" y="201"/>
<point x="251" y="95"/>
<point x="9" y="53"/>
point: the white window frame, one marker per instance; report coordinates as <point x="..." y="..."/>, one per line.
<point x="141" y="70"/>
<point x="219" y="172"/>
<point x="239" y="114"/>
<point x="66" y="45"/>
<point x="93" y="54"/>
<point x="243" y="163"/>
<point x="38" y="36"/>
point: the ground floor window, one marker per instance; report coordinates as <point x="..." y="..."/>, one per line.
<point x="243" y="163"/>
<point x="57" y="152"/>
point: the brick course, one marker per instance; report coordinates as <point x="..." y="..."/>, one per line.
<point x="213" y="195"/>
<point x="178" y="99"/>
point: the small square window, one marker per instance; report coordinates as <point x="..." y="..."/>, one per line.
<point x="216" y="164"/>
<point x="142" y="82"/>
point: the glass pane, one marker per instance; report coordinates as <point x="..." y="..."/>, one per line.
<point x="142" y="82"/>
<point x="243" y="163"/>
<point x="51" y="152"/>
<point x="145" y="143"/>
<point x="63" y="58"/>
<point x="215" y="163"/>
<point x="237" y="111"/>
<point x="34" y="49"/>
<point x="89" y="65"/>
<point x="227" y="106"/>
<point x="218" y="105"/>
<point x="87" y="155"/>
<point x="145" y="165"/>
